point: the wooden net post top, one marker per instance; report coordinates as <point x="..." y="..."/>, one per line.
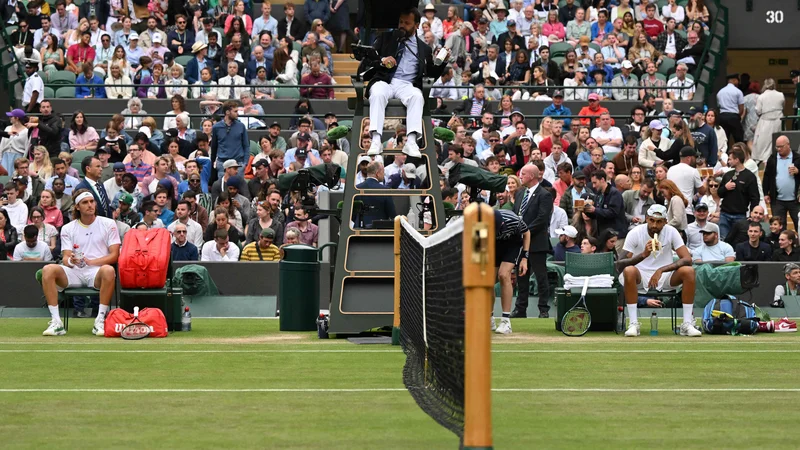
<point x="479" y="279"/>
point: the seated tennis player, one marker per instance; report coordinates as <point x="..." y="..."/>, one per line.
<point x="650" y="265"/>
<point x="512" y="241"/>
<point x="90" y="245"/>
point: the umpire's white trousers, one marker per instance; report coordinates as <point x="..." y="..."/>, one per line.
<point x="379" y="95"/>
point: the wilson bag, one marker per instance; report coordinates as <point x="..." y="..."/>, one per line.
<point x="118" y="319"/>
<point x="730" y="316"/>
<point x="144" y="259"/>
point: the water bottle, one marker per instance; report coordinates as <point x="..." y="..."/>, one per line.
<point x="654" y="324"/>
<point x="620" y="320"/>
<point x="78" y="255"/>
<point x="186" y="320"/>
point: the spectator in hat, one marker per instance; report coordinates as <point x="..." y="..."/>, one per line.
<point x="33" y="92"/>
<point x="578" y="81"/>
<point x="713" y="249"/>
<point x="304" y="151"/>
<point x="198" y="62"/>
<point x="576" y="191"/>
<point x="230" y="169"/>
<point x="278" y="142"/>
<point x="129" y="186"/>
<point x="14" y="143"/>
<point x="262" y="250"/>
<point x="791" y="273"/>
<point x="406" y="178"/>
<point x="594" y="109"/>
<point x="114" y="184"/>
<point x="653" y="145"/>
<point x="625" y="80"/>
<point x="124" y="212"/>
<point x="235" y="186"/>
<point x="557" y="108"/>
<point x="566" y="243"/>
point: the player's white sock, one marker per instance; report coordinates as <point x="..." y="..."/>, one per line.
<point x="506" y="316"/>
<point x="102" y="311"/>
<point x="687" y="313"/>
<point x="632" y="314"/>
<point x="376" y="135"/>
<point x="54" y="313"/>
<point x="412" y="136"/>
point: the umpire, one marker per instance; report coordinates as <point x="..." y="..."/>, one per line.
<point x="534" y="205"/>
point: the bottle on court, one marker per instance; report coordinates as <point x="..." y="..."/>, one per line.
<point x="620" y="319"/>
<point x="186" y="320"/>
<point x="654" y="324"/>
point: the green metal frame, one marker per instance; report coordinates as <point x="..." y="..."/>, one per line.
<point x="9" y="85"/>
<point x="720" y="20"/>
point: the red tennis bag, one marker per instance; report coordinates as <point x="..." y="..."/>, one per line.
<point x="118" y="318"/>
<point x="144" y="259"/>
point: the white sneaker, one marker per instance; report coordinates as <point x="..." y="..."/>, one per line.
<point x="504" y="327"/>
<point x="54" y="328"/>
<point x="633" y="330"/>
<point x="411" y="148"/>
<point x="376" y="148"/>
<point x="688" y="329"/>
<point x="99" y="327"/>
<point x="494" y="324"/>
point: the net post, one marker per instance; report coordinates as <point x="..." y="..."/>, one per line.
<point x="479" y="279"/>
<point x="396" y="323"/>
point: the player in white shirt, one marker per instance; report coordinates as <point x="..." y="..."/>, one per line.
<point x="653" y="268"/>
<point x="97" y="239"/>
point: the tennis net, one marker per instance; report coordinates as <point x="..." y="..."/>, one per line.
<point x="432" y="322"/>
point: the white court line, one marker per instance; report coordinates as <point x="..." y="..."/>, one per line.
<point x="312" y="390"/>
<point x="565" y="351"/>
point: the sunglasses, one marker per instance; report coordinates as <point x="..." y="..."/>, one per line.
<point x="494" y="140"/>
<point x="37" y="217"/>
<point x="180" y="232"/>
<point x="181" y="22"/>
<point x="713" y="185"/>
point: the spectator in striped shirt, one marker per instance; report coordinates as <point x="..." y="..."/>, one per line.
<point x="475" y="106"/>
<point x="136" y="166"/>
<point x="263" y="249"/>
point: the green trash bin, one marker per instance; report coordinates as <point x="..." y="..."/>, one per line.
<point x="298" y="291"/>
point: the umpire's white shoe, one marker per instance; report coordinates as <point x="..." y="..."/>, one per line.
<point x="54" y="328"/>
<point x="688" y="329"/>
<point x="376" y="148"/>
<point x="633" y="330"/>
<point x="504" y="327"/>
<point x="411" y="148"/>
<point x="494" y="324"/>
<point x="99" y="327"/>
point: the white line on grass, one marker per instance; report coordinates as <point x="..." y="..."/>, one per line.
<point x="334" y="390"/>
<point x="566" y="351"/>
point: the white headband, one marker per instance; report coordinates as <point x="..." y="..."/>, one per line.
<point x="83" y="196"/>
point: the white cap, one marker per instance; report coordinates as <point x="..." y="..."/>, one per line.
<point x="363" y="159"/>
<point x="133" y="35"/>
<point x="410" y="170"/>
<point x="627" y="64"/>
<point x="657" y="211"/>
<point x="157" y="38"/>
<point x="568" y="230"/>
<point x="146" y="130"/>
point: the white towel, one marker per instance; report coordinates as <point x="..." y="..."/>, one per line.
<point x="595" y="281"/>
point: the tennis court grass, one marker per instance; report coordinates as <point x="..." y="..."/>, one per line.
<point x="243" y="384"/>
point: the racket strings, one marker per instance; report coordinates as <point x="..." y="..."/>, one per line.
<point x="576" y="321"/>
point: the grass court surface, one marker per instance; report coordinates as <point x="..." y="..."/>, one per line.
<point x="243" y="384"/>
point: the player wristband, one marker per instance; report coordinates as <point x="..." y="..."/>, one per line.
<point x="525" y="254"/>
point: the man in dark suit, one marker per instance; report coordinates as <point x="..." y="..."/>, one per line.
<point x="93" y="170"/>
<point x="404" y="59"/>
<point x="290" y="25"/>
<point x="496" y="62"/>
<point x="375" y="207"/>
<point x="535" y="205"/>
<point x="608" y="208"/>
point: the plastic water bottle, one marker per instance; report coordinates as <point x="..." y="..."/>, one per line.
<point x="654" y="324"/>
<point x="620" y="320"/>
<point x="78" y="255"/>
<point x="186" y="320"/>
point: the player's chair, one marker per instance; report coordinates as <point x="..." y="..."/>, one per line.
<point x="65" y="302"/>
<point x="601" y="302"/>
<point x="169" y="299"/>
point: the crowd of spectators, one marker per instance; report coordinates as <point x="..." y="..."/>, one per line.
<point x="199" y="179"/>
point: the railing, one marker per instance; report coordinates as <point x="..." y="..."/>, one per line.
<point x="720" y="20"/>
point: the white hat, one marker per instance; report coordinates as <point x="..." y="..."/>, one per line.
<point x="157" y="38"/>
<point x="657" y="211"/>
<point x="410" y="170"/>
<point x="197" y="46"/>
<point x="429" y="7"/>
<point x="133" y="35"/>
<point x="627" y="64"/>
<point x="230" y="163"/>
<point x="364" y="159"/>
<point x="710" y="227"/>
<point x="568" y="230"/>
<point x="146" y="130"/>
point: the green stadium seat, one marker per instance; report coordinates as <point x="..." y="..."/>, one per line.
<point x="595" y="46"/>
<point x="62" y="77"/>
<point x="661" y="77"/>
<point x="254" y="148"/>
<point x="559" y="49"/>
<point x="287" y="92"/>
<point x="558" y="60"/>
<point x="65" y="92"/>
<point x="183" y="60"/>
<point x="77" y="166"/>
<point x="667" y="64"/>
<point x="49" y="92"/>
<point x="10" y="29"/>
<point x="681" y="33"/>
<point x="4" y="179"/>
<point x="78" y="156"/>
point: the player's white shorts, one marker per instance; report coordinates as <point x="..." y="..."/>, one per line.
<point x="80" y="277"/>
<point x="662" y="286"/>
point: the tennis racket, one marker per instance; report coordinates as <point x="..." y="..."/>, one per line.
<point x="577" y="320"/>
<point x="136" y="329"/>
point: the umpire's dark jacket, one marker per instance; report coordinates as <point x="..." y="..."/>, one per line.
<point x="388" y="44"/>
<point x="537" y="216"/>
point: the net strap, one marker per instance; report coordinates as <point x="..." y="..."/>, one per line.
<point x="436" y="238"/>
